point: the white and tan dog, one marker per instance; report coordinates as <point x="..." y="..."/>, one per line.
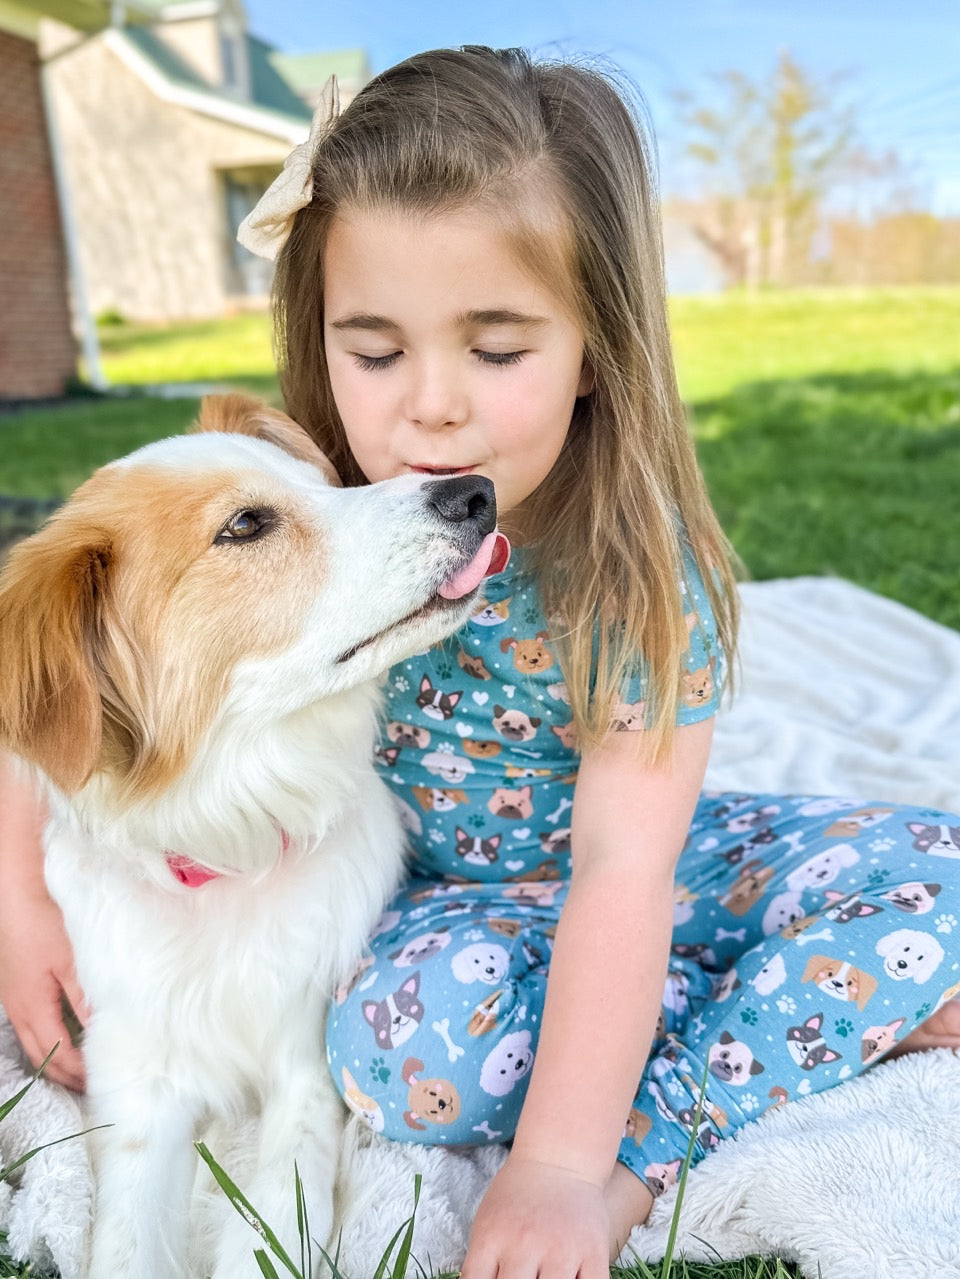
<point x="191" y="649"/>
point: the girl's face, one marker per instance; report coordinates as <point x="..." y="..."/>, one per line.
<point x="445" y="356"/>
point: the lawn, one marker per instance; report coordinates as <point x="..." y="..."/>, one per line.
<point x="827" y="425"/>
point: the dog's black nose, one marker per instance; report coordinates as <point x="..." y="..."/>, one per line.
<point x="464" y="497"/>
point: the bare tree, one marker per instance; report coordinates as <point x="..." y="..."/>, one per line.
<point x="767" y="154"/>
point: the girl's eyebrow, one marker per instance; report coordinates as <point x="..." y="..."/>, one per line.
<point x="368" y="323"/>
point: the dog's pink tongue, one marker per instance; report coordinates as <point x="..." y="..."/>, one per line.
<point x="492" y="557"/>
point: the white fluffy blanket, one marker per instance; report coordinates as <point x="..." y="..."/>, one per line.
<point x="841" y="692"/>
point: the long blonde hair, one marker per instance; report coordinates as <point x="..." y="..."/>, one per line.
<point x="452" y="128"/>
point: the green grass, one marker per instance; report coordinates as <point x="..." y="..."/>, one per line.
<point x="827" y="425"/>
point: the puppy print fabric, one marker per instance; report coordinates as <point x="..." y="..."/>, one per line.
<point x="810" y="934"/>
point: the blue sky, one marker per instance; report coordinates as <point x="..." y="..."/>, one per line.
<point x="902" y="59"/>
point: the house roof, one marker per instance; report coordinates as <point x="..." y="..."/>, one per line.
<point x="308" y="70"/>
<point x="273" y="107"/>
<point x="85" y="15"/>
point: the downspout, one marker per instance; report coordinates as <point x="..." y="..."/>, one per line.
<point x="78" y="287"/>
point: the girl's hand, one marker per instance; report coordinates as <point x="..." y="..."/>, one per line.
<point x="36" y="967"/>
<point x="538" y="1221"/>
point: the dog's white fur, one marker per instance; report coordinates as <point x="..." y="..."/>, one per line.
<point x="181" y="693"/>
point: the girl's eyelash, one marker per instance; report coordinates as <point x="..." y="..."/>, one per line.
<point x="499" y="359"/>
<point x="373" y="362"/>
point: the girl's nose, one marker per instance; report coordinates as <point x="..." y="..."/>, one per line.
<point x="436" y="399"/>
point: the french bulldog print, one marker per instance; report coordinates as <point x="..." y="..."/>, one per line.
<point x="876" y="1040"/>
<point x="476" y="851"/>
<point x="848" y="907"/>
<point x="938" y="841"/>
<point x="807" y="1046"/>
<point x="660" y="1177"/>
<point x="434" y="702"/>
<point x="397" y="1017"/>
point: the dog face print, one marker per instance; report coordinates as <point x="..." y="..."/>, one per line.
<point x="840" y="980"/>
<point x="747" y="888"/>
<point x="807" y="1046"/>
<point x="696" y="687"/>
<point x="939" y="841"/>
<point x="567" y="734"/>
<point x="515" y="726"/>
<point x="732" y="1062"/>
<point x="512" y="804"/>
<point x="913" y="898"/>
<point x="408" y="734"/>
<point x="909" y="955"/>
<point x="745" y="822"/>
<point x="848" y="907"/>
<point x="430" y="1101"/>
<point x="724" y="987"/>
<point x="421" y="948"/>
<point x="853" y="824"/>
<point x="782" y="910"/>
<point x="876" y="1040"/>
<point x="529" y="655"/>
<point x="453" y="769"/>
<point x="755" y="840"/>
<point x="432" y="799"/>
<point x="397" y="1017"/>
<point x="481" y="750"/>
<point x="434" y="702"/>
<point x="492" y="614"/>
<point x="474" y="666"/>
<point x="660" y="1177"/>
<point x="555" y="841"/>
<point x="482" y="961"/>
<point x="822" y="869"/>
<point x="771" y="976"/>
<point x="707" y="1139"/>
<point x="509" y="1062"/>
<point x="476" y="851"/>
<point x="637" y="1127"/>
<point x="629" y="717"/>
<point x="362" y="1105"/>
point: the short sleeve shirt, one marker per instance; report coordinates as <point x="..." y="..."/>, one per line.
<point x="478" y="744"/>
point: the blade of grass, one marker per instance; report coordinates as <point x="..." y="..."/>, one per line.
<point x="246" y="1209"/>
<point x="667" y="1265"/>
<point x="403" y="1253"/>
<point x="266" y="1265"/>
<point x="303" y="1226"/>
<point x="71" y="1136"/>
<point x="9" y="1104"/>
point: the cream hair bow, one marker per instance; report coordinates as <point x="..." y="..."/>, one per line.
<point x="265" y="229"/>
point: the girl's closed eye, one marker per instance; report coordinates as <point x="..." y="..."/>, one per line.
<point x="373" y="362"/>
<point x="498" y="359"/>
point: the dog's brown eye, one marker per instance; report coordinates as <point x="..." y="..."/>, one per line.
<point x="246" y="525"/>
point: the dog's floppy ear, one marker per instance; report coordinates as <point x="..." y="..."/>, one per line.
<point x="51" y="594"/>
<point x="246" y="415"/>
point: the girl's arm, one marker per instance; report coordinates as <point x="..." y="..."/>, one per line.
<point x="545" y="1212"/>
<point x="36" y="961"/>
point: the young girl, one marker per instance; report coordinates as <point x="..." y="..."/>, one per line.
<point x="470" y="280"/>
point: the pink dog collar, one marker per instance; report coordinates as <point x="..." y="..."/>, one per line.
<point x="192" y="875"/>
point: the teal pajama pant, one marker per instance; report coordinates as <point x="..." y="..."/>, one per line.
<point x="810" y="934"/>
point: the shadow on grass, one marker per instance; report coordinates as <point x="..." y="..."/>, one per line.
<point x="854" y="475"/>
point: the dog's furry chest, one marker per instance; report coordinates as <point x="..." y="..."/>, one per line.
<point x="211" y="983"/>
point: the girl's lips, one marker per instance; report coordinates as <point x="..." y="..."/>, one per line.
<point x="442" y="470"/>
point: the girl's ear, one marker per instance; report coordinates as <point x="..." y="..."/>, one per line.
<point x="246" y="415"/>
<point x="588" y="379"/>
<point x="51" y="598"/>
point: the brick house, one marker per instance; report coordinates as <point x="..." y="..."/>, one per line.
<point x="172" y="129"/>
<point x="38" y="354"/>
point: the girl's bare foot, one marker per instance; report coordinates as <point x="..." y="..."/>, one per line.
<point x="942" y="1030"/>
<point x="628" y="1203"/>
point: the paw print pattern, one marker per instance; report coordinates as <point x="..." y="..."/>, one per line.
<point x="476" y="820"/>
<point x="877" y="877"/>
<point x="401" y="684"/>
<point x="749" y="1015"/>
<point x="881" y="845"/>
<point x="843" y="1027"/>
<point x="380" y="1070"/>
<point x="436" y="837"/>
<point x="945" y="923"/>
<point x="749" y="1103"/>
<point x="923" y="1012"/>
<point x="787" y="1005"/>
